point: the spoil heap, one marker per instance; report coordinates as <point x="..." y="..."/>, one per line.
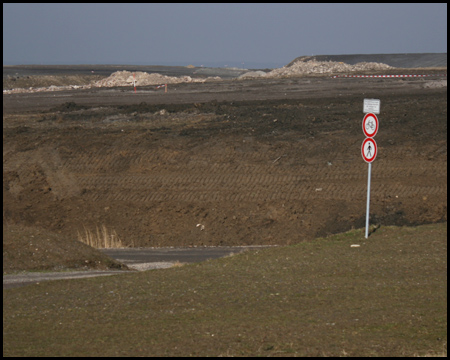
<point x="124" y="78"/>
<point x="309" y="67"/>
<point x="120" y="78"/>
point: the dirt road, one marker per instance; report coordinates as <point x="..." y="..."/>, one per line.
<point x="235" y="162"/>
<point x="140" y="259"/>
<point x="19" y="280"/>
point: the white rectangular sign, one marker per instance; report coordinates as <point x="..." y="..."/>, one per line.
<point x="371" y="106"/>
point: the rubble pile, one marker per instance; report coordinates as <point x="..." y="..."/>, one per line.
<point x="119" y="78"/>
<point x="124" y="78"/>
<point x="312" y="67"/>
<point x="435" y="84"/>
<point x="42" y="89"/>
<point x="252" y="74"/>
<point x="324" y="67"/>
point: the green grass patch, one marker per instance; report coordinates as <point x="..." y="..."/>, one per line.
<point x="387" y="297"/>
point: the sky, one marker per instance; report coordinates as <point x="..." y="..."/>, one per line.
<point x="242" y="35"/>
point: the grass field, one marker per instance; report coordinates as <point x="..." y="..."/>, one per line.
<point x="387" y="297"/>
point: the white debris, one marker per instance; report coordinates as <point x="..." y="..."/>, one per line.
<point x="121" y="78"/>
<point x="50" y="88"/>
<point x="252" y="74"/>
<point x="434" y="84"/>
<point x="151" y="266"/>
<point x="301" y="67"/>
<point x="125" y="78"/>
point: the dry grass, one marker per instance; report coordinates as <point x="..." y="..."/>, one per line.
<point x="435" y="353"/>
<point x="102" y="238"/>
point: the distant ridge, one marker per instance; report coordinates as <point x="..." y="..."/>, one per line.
<point x="418" y="60"/>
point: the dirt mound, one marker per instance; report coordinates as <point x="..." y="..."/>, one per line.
<point x="434" y="84"/>
<point x="308" y="66"/>
<point x="118" y="78"/>
<point x="31" y="248"/>
<point x="37" y="81"/>
<point x="124" y="78"/>
<point x="415" y="60"/>
<point x="252" y="74"/>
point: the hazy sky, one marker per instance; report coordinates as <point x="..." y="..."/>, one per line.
<point x="215" y="34"/>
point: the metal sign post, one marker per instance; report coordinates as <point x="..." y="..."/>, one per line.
<point x="368" y="200"/>
<point x="369" y="146"/>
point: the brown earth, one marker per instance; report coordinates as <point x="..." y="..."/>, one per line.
<point x="30" y="249"/>
<point x="235" y="162"/>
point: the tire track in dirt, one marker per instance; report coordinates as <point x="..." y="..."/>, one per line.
<point x="214" y="175"/>
<point x="251" y="169"/>
<point x="238" y="187"/>
<point x="225" y="181"/>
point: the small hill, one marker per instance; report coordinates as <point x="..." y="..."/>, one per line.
<point x="415" y="60"/>
<point x="33" y="249"/>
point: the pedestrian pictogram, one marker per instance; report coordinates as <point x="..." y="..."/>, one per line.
<point x="370" y="125"/>
<point x="369" y="150"/>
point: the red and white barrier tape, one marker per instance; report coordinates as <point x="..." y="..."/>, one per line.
<point x="160" y="86"/>
<point x="387" y="76"/>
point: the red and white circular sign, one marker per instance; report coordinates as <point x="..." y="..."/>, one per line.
<point x="369" y="150"/>
<point x="370" y="125"/>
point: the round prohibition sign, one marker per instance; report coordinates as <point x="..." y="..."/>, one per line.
<point x="370" y="125"/>
<point x="369" y="150"/>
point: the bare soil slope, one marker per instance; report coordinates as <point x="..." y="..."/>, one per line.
<point x="32" y="249"/>
<point x="224" y="163"/>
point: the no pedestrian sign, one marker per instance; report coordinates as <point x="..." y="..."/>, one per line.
<point x="369" y="150"/>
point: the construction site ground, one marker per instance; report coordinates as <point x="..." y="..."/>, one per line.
<point x="259" y="161"/>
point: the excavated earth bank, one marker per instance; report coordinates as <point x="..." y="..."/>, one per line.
<point x="224" y="162"/>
